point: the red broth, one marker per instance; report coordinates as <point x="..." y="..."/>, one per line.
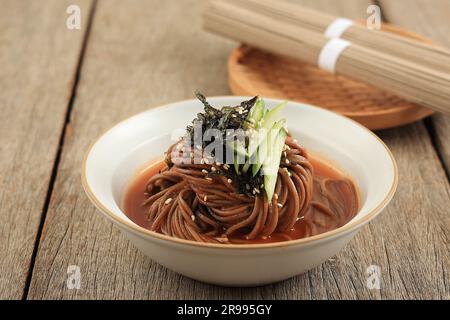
<point x="335" y="203"/>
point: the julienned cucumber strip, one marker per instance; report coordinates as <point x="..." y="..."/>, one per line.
<point x="272" y="116"/>
<point x="272" y="162"/>
<point x="236" y="165"/>
<point x="264" y="151"/>
<point x="257" y="112"/>
<point x="254" y="141"/>
<point x="267" y="123"/>
<point x="238" y="147"/>
<point x="255" y="115"/>
<point x="260" y="156"/>
<point x="239" y="154"/>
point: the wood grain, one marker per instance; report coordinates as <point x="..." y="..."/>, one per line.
<point x="432" y="21"/>
<point x="38" y="59"/>
<point x="142" y="54"/>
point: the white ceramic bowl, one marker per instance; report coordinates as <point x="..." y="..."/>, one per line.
<point x="119" y="154"/>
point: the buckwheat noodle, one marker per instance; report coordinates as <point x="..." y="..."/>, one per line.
<point x="394" y="44"/>
<point x="188" y="202"/>
<point x="419" y="75"/>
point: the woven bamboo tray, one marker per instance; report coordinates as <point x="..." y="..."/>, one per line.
<point x="255" y="72"/>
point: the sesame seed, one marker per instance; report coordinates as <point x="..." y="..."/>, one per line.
<point x="193" y="217"/>
<point x="288" y="172"/>
<point x="280" y="205"/>
<point x="276" y="196"/>
<point x="226" y="166"/>
<point x="256" y="190"/>
<point x="230" y="181"/>
<point x="222" y="239"/>
<point x="202" y="161"/>
<point x="168" y="200"/>
<point x="205" y="171"/>
<point x="213" y="169"/>
<point x="287" y="161"/>
<point x="208" y="178"/>
<point x="205" y="198"/>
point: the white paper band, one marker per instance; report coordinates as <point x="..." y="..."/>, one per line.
<point x="330" y="54"/>
<point x="337" y="28"/>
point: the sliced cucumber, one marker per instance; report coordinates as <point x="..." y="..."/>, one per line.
<point x="246" y="166"/>
<point x="239" y="154"/>
<point x="236" y="165"/>
<point x="266" y="148"/>
<point x="255" y="116"/>
<point x="260" y="156"/>
<point x="272" y="163"/>
<point x="267" y="123"/>
<point x="272" y="116"/>
<point x="257" y="112"/>
<point x="239" y="148"/>
<point x="253" y="143"/>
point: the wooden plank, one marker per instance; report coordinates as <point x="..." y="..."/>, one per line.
<point x="140" y="54"/>
<point x="161" y="56"/>
<point x="38" y="62"/>
<point x="431" y="20"/>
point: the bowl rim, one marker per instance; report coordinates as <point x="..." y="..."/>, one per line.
<point x="145" y="233"/>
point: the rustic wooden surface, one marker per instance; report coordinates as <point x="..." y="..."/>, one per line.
<point x="38" y="63"/>
<point x="140" y="54"/>
<point x="433" y="22"/>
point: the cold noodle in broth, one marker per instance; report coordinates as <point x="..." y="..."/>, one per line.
<point x="334" y="203"/>
<point x="238" y="176"/>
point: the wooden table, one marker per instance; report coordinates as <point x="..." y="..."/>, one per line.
<point x="61" y="88"/>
